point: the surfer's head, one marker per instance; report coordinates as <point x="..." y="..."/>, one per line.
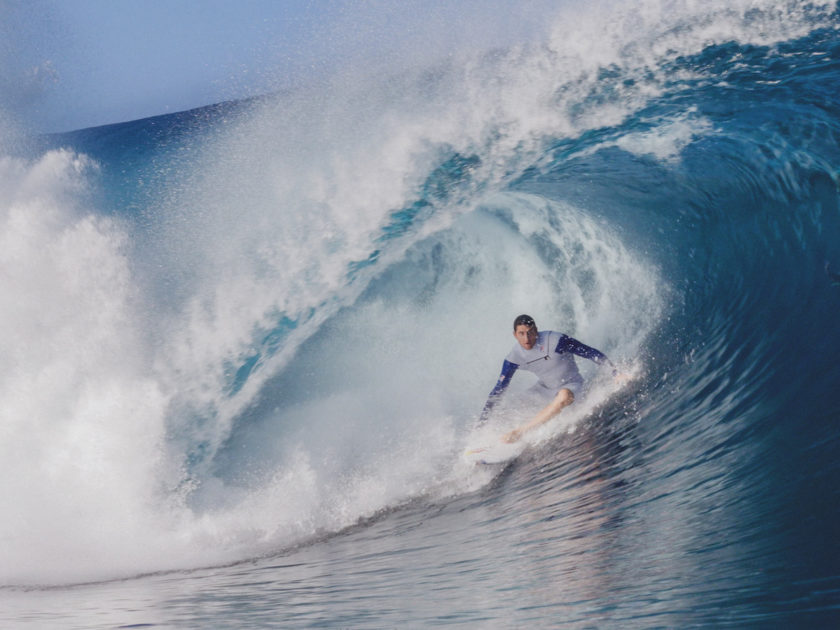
<point x="524" y="320"/>
<point x="525" y="331"/>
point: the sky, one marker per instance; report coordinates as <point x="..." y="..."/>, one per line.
<point x="70" y="64"/>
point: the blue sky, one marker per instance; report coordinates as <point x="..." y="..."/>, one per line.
<point x="76" y="63"/>
<point x="68" y="64"/>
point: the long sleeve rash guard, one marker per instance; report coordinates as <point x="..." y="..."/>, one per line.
<point x="551" y="360"/>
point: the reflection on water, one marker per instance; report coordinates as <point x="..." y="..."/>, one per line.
<point x="584" y="530"/>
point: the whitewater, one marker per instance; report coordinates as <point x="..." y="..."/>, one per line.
<point x="243" y="347"/>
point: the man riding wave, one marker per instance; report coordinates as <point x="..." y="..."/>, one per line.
<point x="550" y="356"/>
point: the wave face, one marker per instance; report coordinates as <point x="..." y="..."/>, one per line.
<point x="233" y="331"/>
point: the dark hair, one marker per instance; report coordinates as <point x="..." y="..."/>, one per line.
<point x="523" y="320"/>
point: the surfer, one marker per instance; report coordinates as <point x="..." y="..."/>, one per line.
<point x="550" y="356"/>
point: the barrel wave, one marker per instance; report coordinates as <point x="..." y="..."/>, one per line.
<point x="244" y="346"/>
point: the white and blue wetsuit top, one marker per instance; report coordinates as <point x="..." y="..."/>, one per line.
<point x="551" y="360"/>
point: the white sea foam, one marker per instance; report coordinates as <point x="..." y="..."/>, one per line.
<point x="666" y="141"/>
<point x="81" y="420"/>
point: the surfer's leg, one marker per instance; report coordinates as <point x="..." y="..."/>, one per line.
<point x="563" y="399"/>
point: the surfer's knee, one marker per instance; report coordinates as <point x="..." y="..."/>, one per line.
<point x="563" y="398"/>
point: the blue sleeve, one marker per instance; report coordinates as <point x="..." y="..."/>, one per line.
<point x="570" y="344"/>
<point x="508" y="370"/>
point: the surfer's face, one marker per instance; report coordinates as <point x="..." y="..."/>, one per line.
<point x="526" y="336"/>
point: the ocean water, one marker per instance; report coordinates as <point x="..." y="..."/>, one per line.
<point x="243" y="347"/>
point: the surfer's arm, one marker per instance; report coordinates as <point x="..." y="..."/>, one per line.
<point x="508" y="369"/>
<point x="570" y="344"/>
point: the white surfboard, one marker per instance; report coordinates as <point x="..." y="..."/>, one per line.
<point x="495" y="453"/>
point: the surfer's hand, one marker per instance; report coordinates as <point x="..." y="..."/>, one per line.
<point x="511" y="437"/>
